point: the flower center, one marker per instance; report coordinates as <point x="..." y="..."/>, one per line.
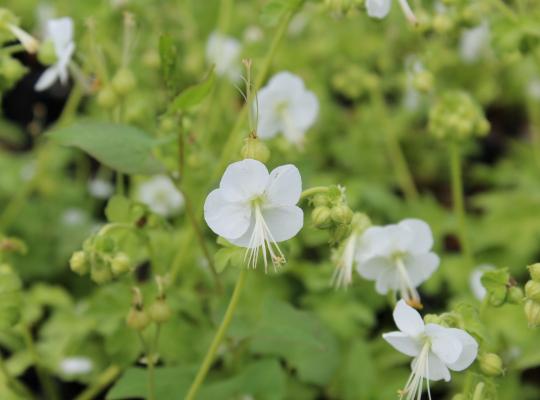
<point x="262" y="241"/>
<point x="420" y="371"/>
<point x="406" y="288"/>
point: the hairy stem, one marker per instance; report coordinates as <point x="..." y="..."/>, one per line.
<point x="313" y="191"/>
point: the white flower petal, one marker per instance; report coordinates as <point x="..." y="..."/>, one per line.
<point x="420" y="266"/>
<point x="61" y="32"/>
<point x="230" y="220"/>
<point x="436" y="369"/>
<point x="420" y="232"/>
<point x="469" y="352"/>
<point x="407" y="319"/>
<point x="403" y="343"/>
<point x="378" y="8"/>
<point x="305" y="109"/>
<point x="386" y="281"/>
<point x="244" y="180"/>
<point x="444" y="343"/>
<point x="224" y="52"/>
<point x="475" y="281"/>
<point x="372" y="268"/>
<point x="283" y="222"/>
<point x="47" y="78"/>
<point x="284" y="186"/>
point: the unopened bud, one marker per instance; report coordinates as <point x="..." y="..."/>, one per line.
<point x="341" y="214"/>
<point x="532" y="312"/>
<point x="491" y="364"/>
<point x="534" y="270"/>
<point x="320" y="199"/>
<point x="46" y="53"/>
<point x="120" y="264"/>
<point x="159" y="311"/>
<point x="123" y="81"/>
<point x="79" y="263"/>
<point x="532" y="290"/>
<point x="320" y="216"/>
<point x="101" y="273"/>
<point x="107" y="97"/>
<point x="341" y="232"/>
<point x="515" y="295"/>
<point x="11" y="69"/>
<point x="423" y="81"/>
<point x="137" y="319"/>
<point x="255" y="149"/>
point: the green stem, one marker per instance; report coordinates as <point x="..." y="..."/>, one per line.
<point x="70" y="108"/>
<point x="103" y="380"/>
<point x="459" y="202"/>
<point x="313" y="191"/>
<point x="505" y="9"/>
<point x="225" y="13"/>
<point x="218" y="338"/>
<point x="13" y="382"/>
<point x="150" y="368"/>
<point x="45" y="380"/>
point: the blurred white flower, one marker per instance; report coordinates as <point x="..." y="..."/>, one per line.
<point x="253" y="34"/>
<point x="224" y="52"/>
<point x="76" y="365"/>
<point x="44" y="13"/>
<point x="285" y="105"/>
<point x="100" y="188"/>
<point x="533" y="89"/>
<point x="161" y="196"/>
<point x="475" y="281"/>
<point x="398" y="257"/>
<point x="73" y="216"/>
<point x="474" y="42"/>
<point x="60" y="31"/>
<point x="435" y="348"/>
<point x="255" y="209"/>
<point x="380" y="8"/>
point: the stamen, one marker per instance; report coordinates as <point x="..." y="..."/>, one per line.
<point x="407" y="289"/>
<point x="342" y="276"/>
<point x="415" y="383"/>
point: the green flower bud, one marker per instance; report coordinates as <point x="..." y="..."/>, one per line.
<point x="120" y="264"/>
<point x="107" y="98"/>
<point x="491" y="364"/>
<point x="515" y="295"/>
<point x="159" y="311"/>
<point x="101" y="273"/>
<point x="442" y="23"/>
<point x="340" y="233"/>
<point x="79" y="263"/>
<point x="320" y="200"/>
<point x="137" y="319"/>
<point x="423" y="81"/>
<point x="532" y="312"/>
<point x="534" y="270"/>
<point x="341" y="214"/>
<point x="123" y="81"/>
<point x="12" y="70"/>
<point x="361" y="221"/>
<point x="255" y="149"/>
<point x="432" y="319"/>
<point x="320" y="216"/>
<point x="104" y="244"/>
<point x="46" y="53"/>
<point x="532" y="290"/>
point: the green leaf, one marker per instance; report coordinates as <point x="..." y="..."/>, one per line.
<point x="168" y="54"/>
<point x="300" y="338"/>
<point x="118" y="209"/>
<point x="121" y="147"/>
<point x="228" y="255"/>
<point x="496" y="284"/>
<point x="193" y="95"/>
<point x="10" y="297"/>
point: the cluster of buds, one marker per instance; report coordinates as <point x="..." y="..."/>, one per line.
<point x="122" y="83"/>
<point x="501" y="288"/>
<point x="453" y="16"/>
<point x="456" y="116"/>
<point x="354" y="82"/>
<point x="532" y="294"/>
<point x="158" y="312"/>
<point x="342" y="8"/>
<point x="101" y="259"/>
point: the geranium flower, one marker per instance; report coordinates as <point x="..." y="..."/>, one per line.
<point x="224" y="52"/>
<point x="60" y="31"/>
<point x="161" y="196"/>
<point x="285" y="105"/>
<point x="76" y="365"/>
<point x="380" y="8"/>
<point x="435" y="348"/>
<point x="255" y="209"/>
<point x="398" y="257"/>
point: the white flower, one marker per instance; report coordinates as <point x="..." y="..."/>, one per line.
<point x="475" y="281"/>
<point x="224" y="52"/>
<point x="380" y="8"/>
<point x="100" y="188"/>
<point x="255" y="209"/>
<point x="160" y="194"/>
<point x="342" y="276"/>
<point x="435" y="348"/>
<point x="60" y="31"/>
<point x="76" y="365"/>
<point x="398" y="257"/>
<point x="285" y="105"/>
<point x="73" y="216"/>
<point x="533" y="89"/>
<point x="473" y="42"/>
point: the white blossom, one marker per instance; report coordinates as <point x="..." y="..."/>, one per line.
<point x="285" y="105"/>
<point x="435" y="348"/>
<point x="256" y="209"/>
<point x="60" y="31"/>
<point x="475" y="281"/>
<point x="73" y="216"/>
<point x="100" y="188"/>
<point x="474" y="42"/>
<point x="76" y="365"/>
<point x="398" y="257"/>
<point x="380" y="8"/>
<point x="224" y="52"/>
<point x="161" y="196"/>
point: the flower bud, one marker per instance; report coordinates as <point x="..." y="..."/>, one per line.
<point x="442" y="23"/>
<point x="79" y="263"/>
<point x="340" y="233"/>
<point x="534" y="270"/>
<point x="137" y="319"/>
<point x="120" y="264"/>
<point x="515" y="295"/>
<point x="423" y="81"/>
<point x="123" y="81"/>
<point x="11" y="70"/>
<point x="101" y="273"/>
<point x="320" y="200"/>
<point x="107" y="98"/>
<point x="491" y="364"/>
<point x="320" y="216"/>
<point x="341" y="214"/>
<point x="432" y="319"/>
<point x="46" y="53"/>
<point x="532" y="290"/>
<point x="159" y="311"/>
<point x="255" y="149"/>
<point x="532" y="312"/>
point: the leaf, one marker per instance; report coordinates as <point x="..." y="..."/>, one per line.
<point x="168" y="54"/>
<point x="121" y="147"/>
<point x="10" y="300"/>
<point x="228" y="255"/>
<point x="496" y="283"/>
<point x="193" y="95"/>
<point x="300" y="338"/>
<point x="118" y="209"/>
